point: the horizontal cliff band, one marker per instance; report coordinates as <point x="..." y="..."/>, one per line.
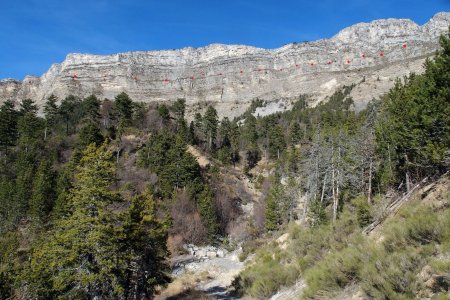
<point x="203" y="75"/>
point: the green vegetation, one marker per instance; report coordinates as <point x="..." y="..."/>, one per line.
<point x="347" y="160"/>
<point x="330" y="258"/>
<point x="95" y="193"/>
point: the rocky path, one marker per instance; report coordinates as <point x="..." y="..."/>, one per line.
<point x="215" y="274"/>
<point x="202" y="275"/>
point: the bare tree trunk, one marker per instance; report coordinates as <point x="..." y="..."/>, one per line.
<point x="333" y="185"/>
<point x="45" y="133"/>
<point x="305" y="206"/>
<point x="210" y="141"/>
<point x="408" y="182"/>
<point x="316" y="175"/>
<point x="118" y="150"/>
<point x="369" y="190"/>
<point x="389" y="157"/>
<point x="323" y="188"/>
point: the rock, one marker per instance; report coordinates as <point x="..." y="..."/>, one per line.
<point x="200" y="253"/>
<point x="230" y="76"/>
<point x="283" y="241"/>
<point x="430" y="282"/>
<point x="211" y="254"/>
<point x="359" y="295"/>
<point x="221" y="253"/>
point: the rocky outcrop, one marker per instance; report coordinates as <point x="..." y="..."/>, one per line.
<point x="229" y="76"/>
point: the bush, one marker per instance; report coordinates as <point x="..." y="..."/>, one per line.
<point x="186" y="222"/>
<point x="363" y="211"/>
<point x="333" y="257"/>
<point x="264" y="279"/>
<point x="333" y="273"/>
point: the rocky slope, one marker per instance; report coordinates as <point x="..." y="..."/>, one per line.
<point x="229" y="76"/>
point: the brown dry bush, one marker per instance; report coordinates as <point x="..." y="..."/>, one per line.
<point x="186" y="220"/>
<point x="227" y="209"/>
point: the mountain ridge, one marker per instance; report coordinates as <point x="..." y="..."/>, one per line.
<point x="230" y="76"/>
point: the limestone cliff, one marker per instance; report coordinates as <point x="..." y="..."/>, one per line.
<point x="230" y="76"/>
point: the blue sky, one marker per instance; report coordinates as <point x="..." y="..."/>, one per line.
<point x="36" y="33"/>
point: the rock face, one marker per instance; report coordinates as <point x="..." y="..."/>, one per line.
<point x="230" y="76"/>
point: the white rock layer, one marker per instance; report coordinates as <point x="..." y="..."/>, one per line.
<point x="230" y="76"/>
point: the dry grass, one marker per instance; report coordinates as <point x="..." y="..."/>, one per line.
<point x="184" y="287"/>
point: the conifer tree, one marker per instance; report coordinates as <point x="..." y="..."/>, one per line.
<point x="50" y="113"/>
<point x="145" y="246"/>
<point x="207" y="212"/>
<point x="27" y="106"/>
<point x="164" y="113"/>
<point x="70" y="111"/>
<point x="412" y="131"/>
<point x="91" y="108"/>
<point x="276" y="141"/>
<point x="8" y="125"/>
<point x="273" y="213"/>
<point x="124" y="109"/>
<point x="43" y="193"/>
<point x="210" y="124"/>
<point x="81" y="258"/>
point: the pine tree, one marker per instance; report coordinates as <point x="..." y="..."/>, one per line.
<point x="50" y="113"/>
<point x="8" y="125"/>
<point x="413" y="127"/>
<point x="144" y="243"/>
<point x="124" y="109"/>
<point x="90" y="134"/>
<point x="277" y="142"/>
<point x="250" y="131"/>
<point x="30" y="128"/>
<point x="295" y="133"/>
<point x="64" y="184"/>
<point x="43" y="193"/>
<point x="273" y="213"/>
<point x="207" y="212"/>
<point x="210" y="124"/>
<point x="179" y="109"/>
<point x="91" y="108"/>
<point x="81" y="258"/>
<point x="164" y="113"/>
<point x="27" y="106"/>
<point x="70" y="111"/>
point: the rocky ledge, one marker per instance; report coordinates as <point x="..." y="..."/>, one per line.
<point x="230" y="76"/>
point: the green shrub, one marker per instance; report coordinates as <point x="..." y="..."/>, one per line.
<point x="250" y="247"/>
<point x="363" y="211"/>
<point x="391" y="275"/>
<point x="274" y="270"/>
<point x="331" y="257"/>
<point x="333" y="273"/>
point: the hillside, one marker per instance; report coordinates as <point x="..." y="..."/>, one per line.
<point x="317" y="198"/>
<point x="406" y="257"/>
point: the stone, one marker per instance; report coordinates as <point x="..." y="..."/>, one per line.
<point x="211" y="254"/>
<point x="200" y="253"/>
<point x="221" y="253"/>
<point x="230" y="76"/>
